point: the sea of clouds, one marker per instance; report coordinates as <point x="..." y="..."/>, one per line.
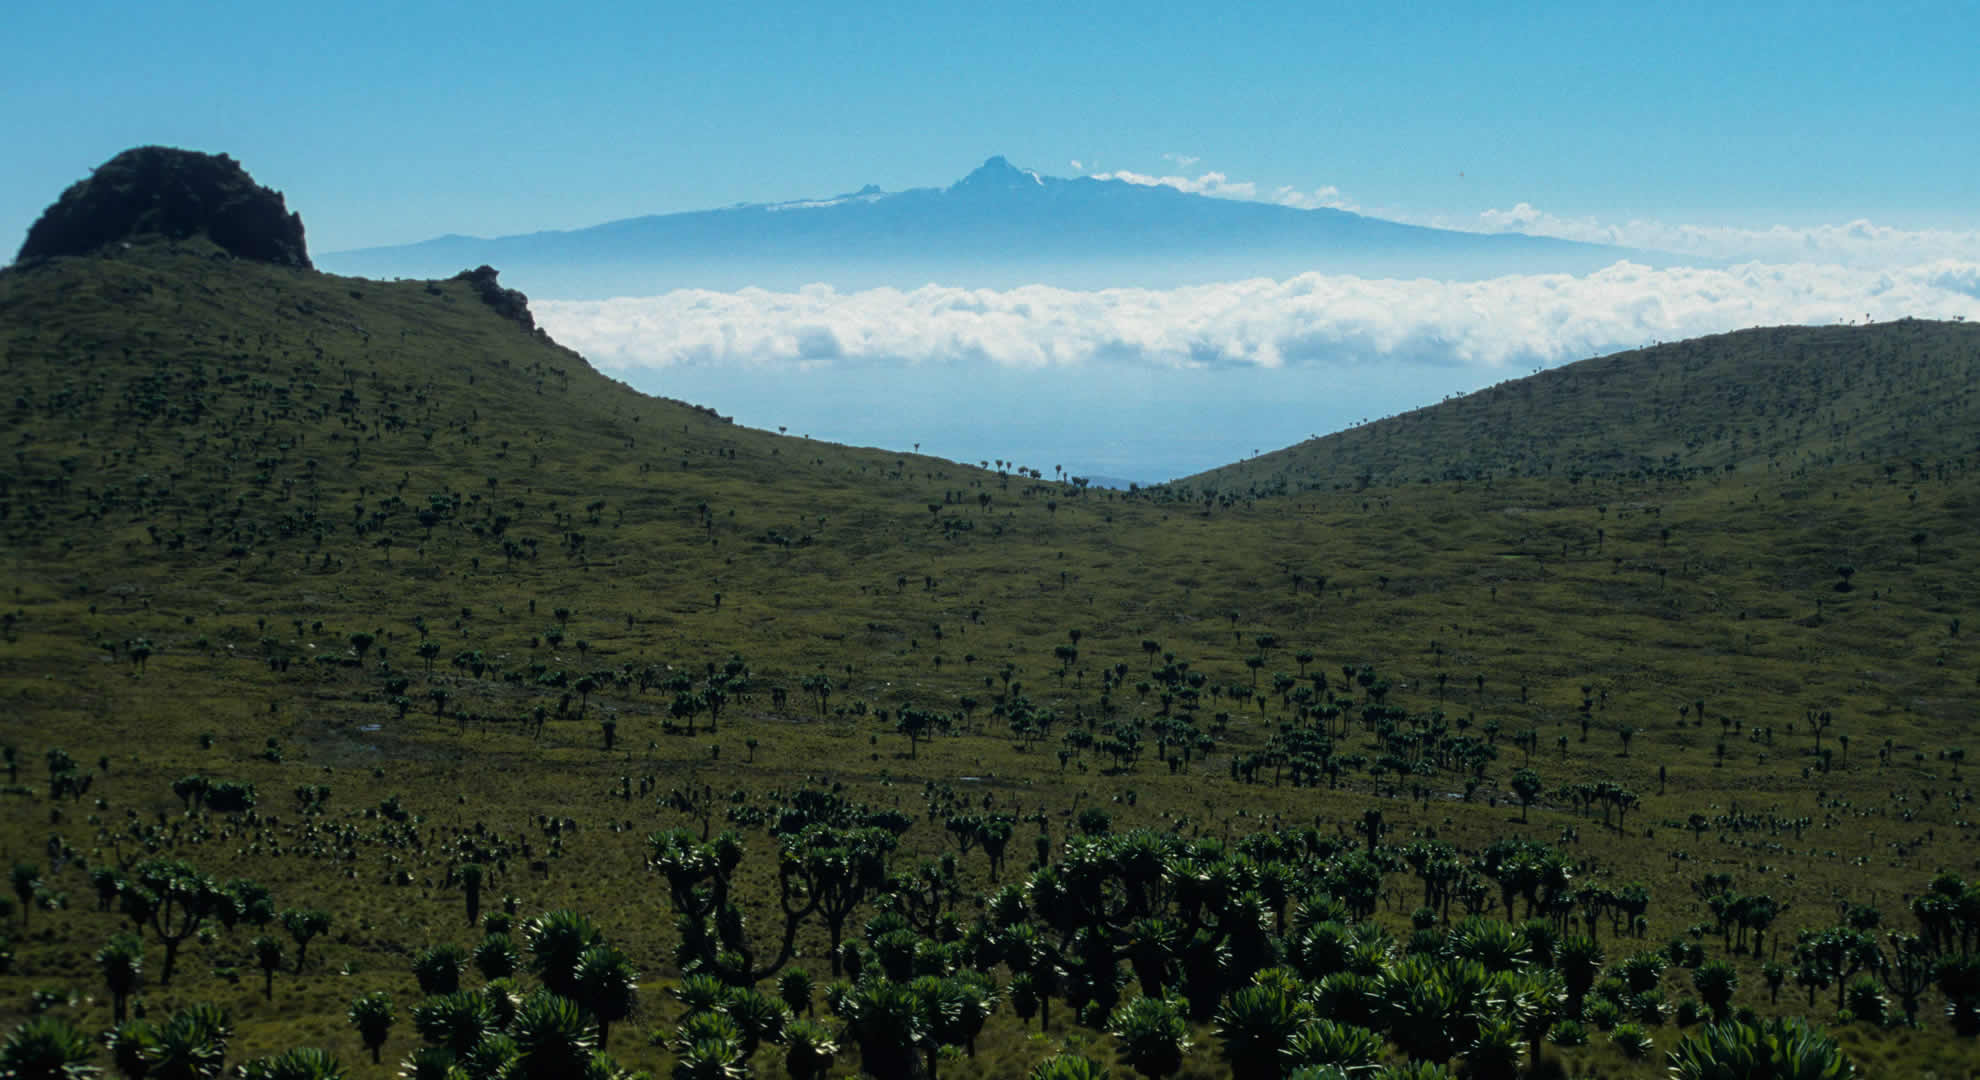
<point x="1859" y="243"/>
<point x="1150" y="383"/>
<point x="1510" y="323"/>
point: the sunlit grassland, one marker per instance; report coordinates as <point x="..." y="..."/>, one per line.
<point x="208" y="399"/>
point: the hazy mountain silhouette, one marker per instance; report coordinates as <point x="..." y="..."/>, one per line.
<point x="997" y="227"/>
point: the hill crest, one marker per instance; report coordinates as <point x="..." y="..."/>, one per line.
<point x="159" y="192"/>
<point x="1783" y="395"/>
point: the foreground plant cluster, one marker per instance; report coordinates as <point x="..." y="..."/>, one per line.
<point x="390" y="693"/>
<point x="1268" y="941"/>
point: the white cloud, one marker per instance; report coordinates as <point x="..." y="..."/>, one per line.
<point x="1856" y="243"/>
<point x="1859" y="243"/>
<point x="1214" y="184"/>
<point x="1219" y="185"/>
<point x="1076" y="166"/>
<point x="1312" y="319"/>
<point x="1329" y="196"/>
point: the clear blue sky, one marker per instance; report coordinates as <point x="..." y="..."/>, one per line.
<point x="386" y="123"/>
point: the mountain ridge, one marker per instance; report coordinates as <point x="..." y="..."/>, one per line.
<point x="998" y="224"/>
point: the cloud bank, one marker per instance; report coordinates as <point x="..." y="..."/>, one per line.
<point x="1220" y="186"/>
<point x="1857" y="243"/>
<point x="1511" y="323"/>
<point x="1214" y="184"/>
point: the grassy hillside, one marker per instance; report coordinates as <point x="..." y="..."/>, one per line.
<point x="1790" y="397"/>
<point x="445" y="596"/>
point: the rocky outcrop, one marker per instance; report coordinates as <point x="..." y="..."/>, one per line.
<point x="155" y="192"/>
<point x="508" y="303"/>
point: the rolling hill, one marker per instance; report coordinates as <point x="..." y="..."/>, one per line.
<point x="1787" y="397"/>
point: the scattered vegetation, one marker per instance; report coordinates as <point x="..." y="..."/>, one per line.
<point x="487" y="715"/>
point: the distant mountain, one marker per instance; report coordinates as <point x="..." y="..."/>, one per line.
<point x="998" y="227"/>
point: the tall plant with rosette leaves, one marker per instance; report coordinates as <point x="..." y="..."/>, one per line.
<point x="1579" y="960"/>
<point x="1154" y="1035"/>
<point x="46" y="1048"/>
<point x="1326" y="1044"/>
<point x="1533" y="999"/>
<point x="889" y="1025"/>
<point x="305" y="925"/>
<point x="297" y="1063"/>
<point x="1715" y="981"/>
<point x="372" y="1015"/>
<point x="438" y="968"/>
<point x="121" y="960"/>
<point x="607" y="986"/>
<point x="759" y="1018"/>
<point x="553" y="1039"/>
<point x="177" y="900"/>
<point x="1784" y="1048"/>
<point x="808" y="1050"/>
<point x="1255" y="1027"/>
<point x="130" y="1044"/>
<point x="454" y="1022"/>
<point x="1431" y="1009"/>
<point x="1959" y="979"/>
<point x="709" y="1058"/>
<point x="557" y="941"/>
<point x="192" y="1045"/>
<point x="267" y="957"/>
<point x="1069" y="1067"/>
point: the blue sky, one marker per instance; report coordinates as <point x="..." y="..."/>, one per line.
<point x="387" y="123"/>
<point x="1818" y="158"/>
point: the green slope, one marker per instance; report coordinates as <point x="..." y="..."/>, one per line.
<point x="1789" y="397"/>
<point x="243" y="501"/>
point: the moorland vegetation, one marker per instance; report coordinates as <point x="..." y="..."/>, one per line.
<point x="389" y="692"/>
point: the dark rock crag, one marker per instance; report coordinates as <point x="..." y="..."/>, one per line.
<point x="508" y="303"/>
<point x="160" y="192"/>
